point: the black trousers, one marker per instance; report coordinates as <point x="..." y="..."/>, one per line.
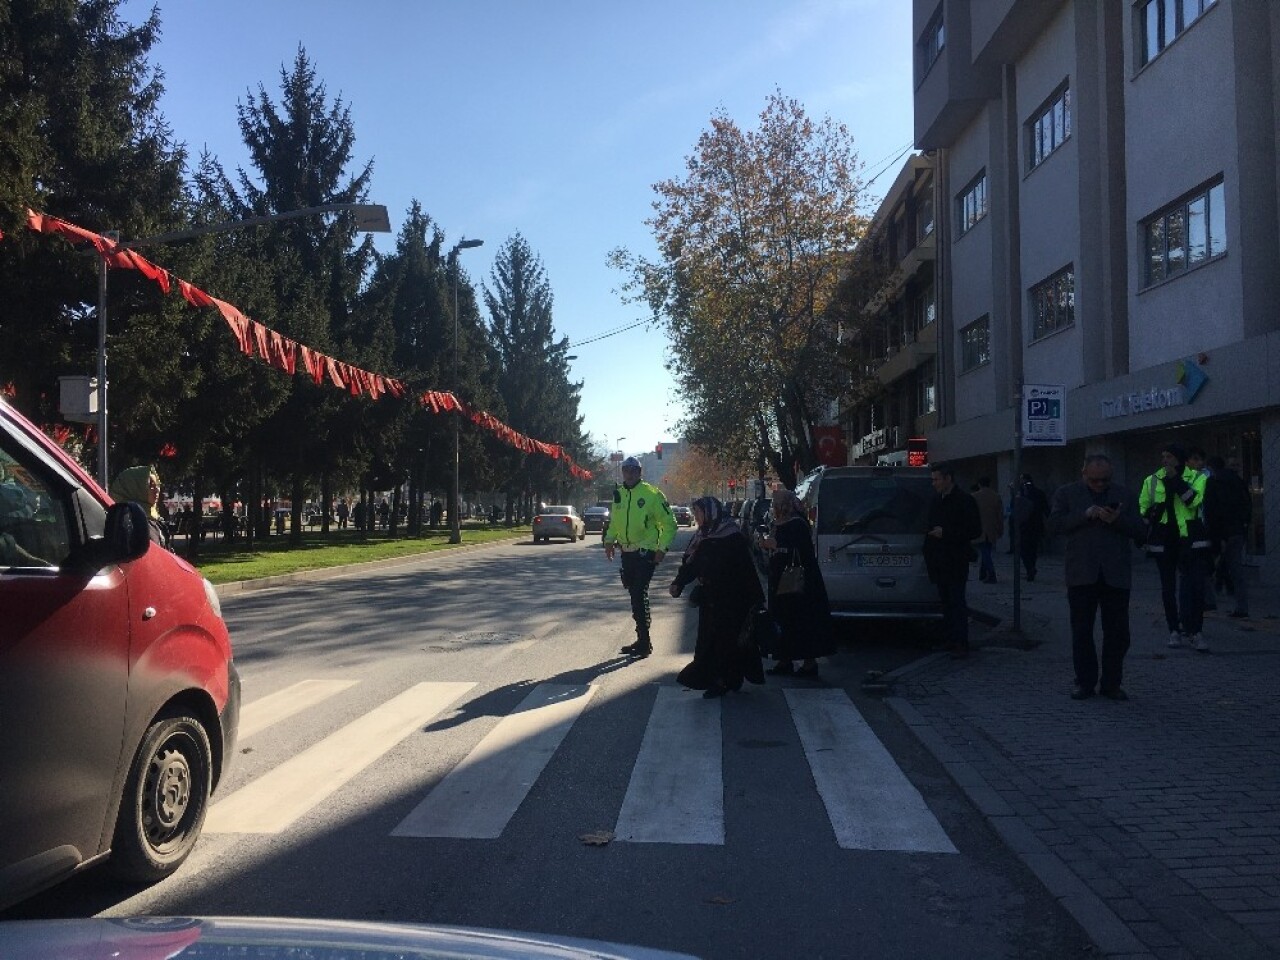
<point x="1085" y="602"/>
<point x="637" y="571"/>
<point x="955" y="612"/>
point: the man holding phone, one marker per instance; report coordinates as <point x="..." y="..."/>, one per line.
<point x="1100" y="521"/>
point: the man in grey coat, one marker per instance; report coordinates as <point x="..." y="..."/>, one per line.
<point x="1100" y="521"/>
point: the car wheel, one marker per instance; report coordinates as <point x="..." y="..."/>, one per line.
<point x="165" y="800"/>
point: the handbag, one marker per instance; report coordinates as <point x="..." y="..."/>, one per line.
<point x="792" y="580"/>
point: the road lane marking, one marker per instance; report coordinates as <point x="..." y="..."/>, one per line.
<point x="283" y="704"/>
<point x="676" y="793"/>
<point x="275" y="800"/>
<point x="869" y="800"/>
<point x="481" y="794"/>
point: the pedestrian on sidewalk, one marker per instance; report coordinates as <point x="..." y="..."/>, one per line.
<point x="1198" y="461"/>
<point x="1228" y="508"/>
<point x="641" y="526"/>
<point x="1030" y="507"/>
<point x="1170" y="502"/>
<point x="991" y="512"/>
<point x="953" y="524"/>
<point x="1101" y="522"/>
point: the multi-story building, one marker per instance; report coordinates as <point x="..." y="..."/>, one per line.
<point x="893" y="332"/>
<point x="1107" y="196"/>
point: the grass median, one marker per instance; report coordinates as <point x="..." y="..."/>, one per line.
<point x="229" y="561"/>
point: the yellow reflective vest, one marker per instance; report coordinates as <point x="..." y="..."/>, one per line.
<point x="1153" y="503"/>
<point x="640" y="518"/>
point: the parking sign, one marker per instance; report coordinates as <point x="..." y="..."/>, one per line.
<point x="1043" y="409"/>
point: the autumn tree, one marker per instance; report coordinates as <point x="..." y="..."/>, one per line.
<point x="751" y="242"/>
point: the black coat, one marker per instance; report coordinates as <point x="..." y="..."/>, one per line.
<point x="730" y="590"/>
<point x="803" y="619"/>
<point x="1228" y="505"/>
<point x="947" y="559"/>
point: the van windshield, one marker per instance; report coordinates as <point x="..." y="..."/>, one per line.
<point x="878" y="505"/>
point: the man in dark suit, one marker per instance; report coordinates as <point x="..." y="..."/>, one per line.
<point x="1100" y="521"/>
<point x="952" y="526"/>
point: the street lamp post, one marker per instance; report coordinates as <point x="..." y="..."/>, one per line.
<point x="455" y="508"/>
<point x="370" y="217"/>
<point x="617" y="469"/>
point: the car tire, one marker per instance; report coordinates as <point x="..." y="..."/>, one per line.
<point x="166" y="797"/>
<point x="583" y="535"/>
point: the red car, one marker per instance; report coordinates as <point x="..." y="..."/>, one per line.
<point x="119" y="697"/>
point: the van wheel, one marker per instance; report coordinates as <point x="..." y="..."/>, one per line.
<point x="165" y="800"/>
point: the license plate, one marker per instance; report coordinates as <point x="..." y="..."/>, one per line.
<point x="882" y="560"/>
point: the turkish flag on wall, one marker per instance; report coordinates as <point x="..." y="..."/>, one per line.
<point x="829" y="446"/>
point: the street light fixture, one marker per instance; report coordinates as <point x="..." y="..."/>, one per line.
<point x="370" y="217"/>
<point x="455" y="510"/>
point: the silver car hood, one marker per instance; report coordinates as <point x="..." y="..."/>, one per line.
<point x="269" y="938"/>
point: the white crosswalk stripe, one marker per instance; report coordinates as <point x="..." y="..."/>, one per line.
<point x="869" y="800"/>
<point x="482" y="793"/>
<point x="273" y="708"/>
<point x="675" y="793"/>
<point x="274" y="801"/>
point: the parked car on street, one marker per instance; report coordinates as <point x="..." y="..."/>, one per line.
<point x="683" y="515"/>
<point x="869" y="530"/>
<point x="119" y="698"/>
<point x="558" y="521"/>
<point x="595" y="519"/>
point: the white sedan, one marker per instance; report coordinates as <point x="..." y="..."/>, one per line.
<point x="558" y="521"/>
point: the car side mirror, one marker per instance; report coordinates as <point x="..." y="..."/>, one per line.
<point x="127" y="536"/>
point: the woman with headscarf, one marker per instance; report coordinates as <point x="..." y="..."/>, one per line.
<point x="719" y="560"/>
<point x="142" y="485"/>
<point x="803" y="618"/>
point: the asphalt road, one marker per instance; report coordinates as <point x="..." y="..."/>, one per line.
<point x="457" y="741"/>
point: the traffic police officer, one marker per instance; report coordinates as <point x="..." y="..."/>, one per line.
<point x="1170" y="502"/>
<point x="642" y="527"/>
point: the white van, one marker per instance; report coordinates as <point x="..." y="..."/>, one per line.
<point x="869" y="529"/>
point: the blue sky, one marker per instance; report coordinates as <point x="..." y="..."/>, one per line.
<point x="551" y="119"/>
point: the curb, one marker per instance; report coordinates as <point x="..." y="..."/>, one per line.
<point x="346" y="569"/>
<point x="1100" y="924"/>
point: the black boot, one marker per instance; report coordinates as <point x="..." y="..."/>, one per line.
<point x="640" y="649"/>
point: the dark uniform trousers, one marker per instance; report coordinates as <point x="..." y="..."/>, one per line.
<point x="637" y="571"/>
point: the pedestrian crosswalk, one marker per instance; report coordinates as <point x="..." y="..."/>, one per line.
<point x="675" y="793"/>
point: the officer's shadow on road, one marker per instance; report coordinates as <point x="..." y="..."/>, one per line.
<point x="504" y="700"/>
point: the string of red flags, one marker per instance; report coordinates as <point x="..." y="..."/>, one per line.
<point x="283" y="353"/>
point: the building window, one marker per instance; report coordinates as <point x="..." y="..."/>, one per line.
<point x="932" y="43"/>
<point x="924" y="213"/>
<point x="928" y="382"/>
<point x="1053" y="303"/>
<point x="975" y="344"/>
<point x="1049" y="129"/>
<point x="971" y="205"/>
<point x="926" y="309"/>
<point x="1185" y="234"/>
<point x="1162" y="21"/>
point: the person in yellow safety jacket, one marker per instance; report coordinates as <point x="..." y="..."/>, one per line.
<point x="642" y="527"/>
<point x="1170" y="502"/>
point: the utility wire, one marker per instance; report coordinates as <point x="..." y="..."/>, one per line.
<point x="905" y="150"/>
<point x="611" y="333"/>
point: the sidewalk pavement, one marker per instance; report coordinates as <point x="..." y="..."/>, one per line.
<point x="1156" y="821"/>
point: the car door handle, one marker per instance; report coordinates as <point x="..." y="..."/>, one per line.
<point x="148" y="613"/>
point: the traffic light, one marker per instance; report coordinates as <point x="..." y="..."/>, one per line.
<point x="658" y="450"/>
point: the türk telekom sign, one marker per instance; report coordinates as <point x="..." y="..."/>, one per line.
<point x="1190" y="379"/>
